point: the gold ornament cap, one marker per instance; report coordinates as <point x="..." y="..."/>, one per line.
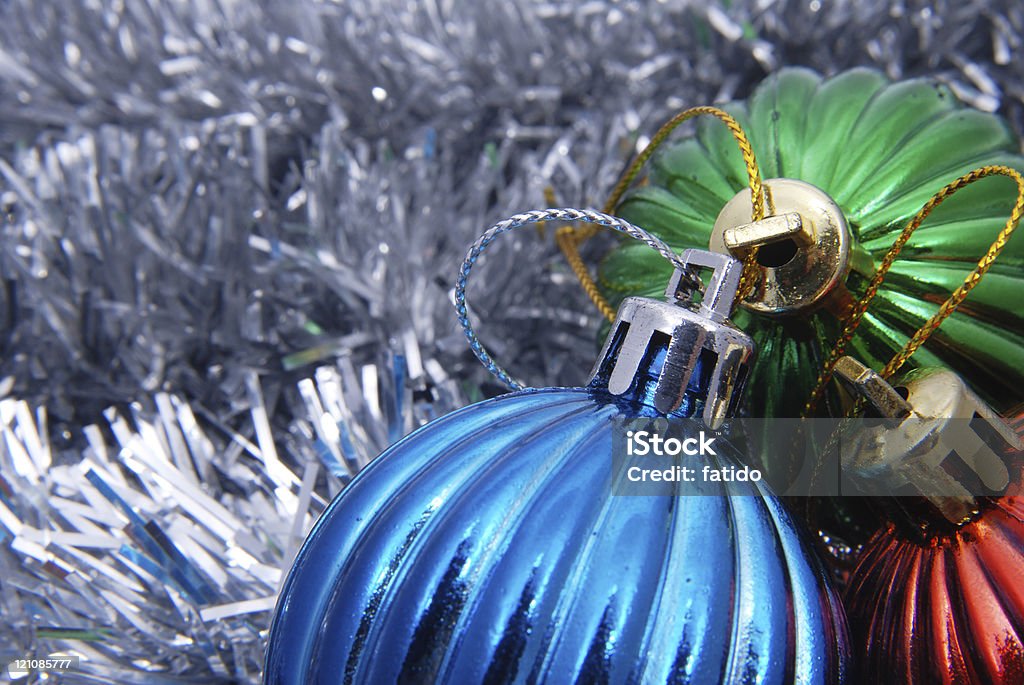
<point x="804" y="246"/>
<point x="935" y="440"/>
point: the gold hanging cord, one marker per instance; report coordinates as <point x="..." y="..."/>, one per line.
<point x="948" y="307"/>
<point x="569" y="238"/>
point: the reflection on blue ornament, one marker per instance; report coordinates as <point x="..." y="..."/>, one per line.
<point x="487" y="547"/>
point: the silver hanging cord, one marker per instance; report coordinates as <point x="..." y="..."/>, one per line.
<point x="532" y="217"/>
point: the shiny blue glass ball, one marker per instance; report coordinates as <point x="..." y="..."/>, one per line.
<point x="486" y="548"/>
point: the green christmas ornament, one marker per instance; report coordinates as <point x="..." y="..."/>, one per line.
<point x="847" y="162"/>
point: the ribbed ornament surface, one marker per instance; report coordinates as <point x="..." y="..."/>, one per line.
<point x="880" y="149"/>
<point x="948" y="611"/>
<point x="485" y="548"/>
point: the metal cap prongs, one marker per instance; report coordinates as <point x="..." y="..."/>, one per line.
<point x="937" y="438"/>
<point x="696" y="333"/>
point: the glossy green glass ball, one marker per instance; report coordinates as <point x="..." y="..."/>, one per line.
<point x="880" y="150"/>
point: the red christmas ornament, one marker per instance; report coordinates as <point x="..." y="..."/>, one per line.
<point x="948" y="610"/>
<point x="937" y="596"/>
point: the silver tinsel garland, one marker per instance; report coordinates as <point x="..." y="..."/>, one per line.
<point x="230" y="234"/>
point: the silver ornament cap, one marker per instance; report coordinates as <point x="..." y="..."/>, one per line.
<point x="693" y="332"/>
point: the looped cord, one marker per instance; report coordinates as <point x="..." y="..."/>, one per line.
<point x="533" y="217"/>
<point x="569" y="238"/>
<point x="948" y="307"/>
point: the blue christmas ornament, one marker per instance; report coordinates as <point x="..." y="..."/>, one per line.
<point x="487" y="546"/>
